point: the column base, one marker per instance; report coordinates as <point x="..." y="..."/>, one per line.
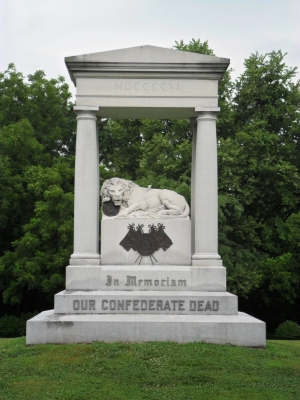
<point x="206" y="259"/>
<point x="85" y="259"/>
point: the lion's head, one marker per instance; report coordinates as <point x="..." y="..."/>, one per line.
<point x="117" y="190"/>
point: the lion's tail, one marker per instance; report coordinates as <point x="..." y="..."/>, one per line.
<point x="186" y="211"/>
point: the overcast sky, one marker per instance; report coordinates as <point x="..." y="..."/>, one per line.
<point x="38" y="34"/>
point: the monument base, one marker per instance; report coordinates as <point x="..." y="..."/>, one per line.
<point x="241" y="329"/>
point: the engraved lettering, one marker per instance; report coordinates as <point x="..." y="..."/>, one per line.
<point x="151" y="305"/>
<point x="131" y="281"/>
<point x="173" y="282"/>
<point x="84" y="304"/>
<point x="156" y="282"/>
<point x="181" y="282"/>
<point x="104" y="307"/>
<point x="148" y="282"/>
<point x="92" y="304"/>
<point x="192" y="305"/>
<point x="181" y="305"/>
<point x="128" y="302"/>
<point x="208" y="306"/>
<point x="112" y="304"/>
<point x="200" y="305"/>
<point x="167" y="306"/>
<point x="140" y="281"/>
<point x="215" y="305"/>
<point x="143" y="305"/>
<point x="174" y="304"/>
<point x="147" y="86"/>
<point x="159" y="305"/>
<point x="116" y="282"/>
<point x="168" y="282"/>
<point x="109" y="280"/>
<point x="136" y="305"/>
<point x="162" y="282"/>
<point x="76" y="305"/>
<point x="120" y="305"/>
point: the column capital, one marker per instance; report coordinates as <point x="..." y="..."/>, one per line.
<point x="86" y="108"/>
<point x="86" y="112"/>
<point x="207" y="109"/>
<point x="208" y="113"/>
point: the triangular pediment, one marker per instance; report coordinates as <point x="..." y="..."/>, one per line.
<point x="146" y="54"/>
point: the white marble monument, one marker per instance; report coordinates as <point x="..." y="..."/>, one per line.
<point x="159" y="276"/>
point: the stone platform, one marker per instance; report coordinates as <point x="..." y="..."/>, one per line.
<point x="240" y="329"/>
<point x="147" y="277"/>
<point x="145" y="302"/>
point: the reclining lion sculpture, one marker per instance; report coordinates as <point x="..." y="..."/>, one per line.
<point x="140" y="202"/>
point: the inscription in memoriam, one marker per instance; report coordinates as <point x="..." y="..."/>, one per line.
<point x="147" y="86"/>
<point x="132" y="280"/>
<point x="146" y="305"/>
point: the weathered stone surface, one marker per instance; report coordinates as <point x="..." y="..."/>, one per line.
<point x="149" y="302"/>
<point x="116" y="277"/>
<point x="146" y="81"/>
<point x="141" y="202"/>
<point x="240" y="330"/>
<point x="113" y="232"/>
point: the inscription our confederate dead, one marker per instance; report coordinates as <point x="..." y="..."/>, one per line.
<point x="146" y="305"/>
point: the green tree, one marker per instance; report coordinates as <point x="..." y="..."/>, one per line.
<point x="259" y="184"/>
<point x="37" y="130"/>
<point x="44" y="103"/>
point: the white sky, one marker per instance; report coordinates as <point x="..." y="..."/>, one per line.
<point x="38" y="34"/>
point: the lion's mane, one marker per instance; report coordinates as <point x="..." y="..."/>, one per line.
<point x="127" y="188"/>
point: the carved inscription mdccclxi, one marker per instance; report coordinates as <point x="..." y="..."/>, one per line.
<point x="147" y="86"/>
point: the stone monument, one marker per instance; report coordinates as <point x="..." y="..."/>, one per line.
<point x="159" y="276"/>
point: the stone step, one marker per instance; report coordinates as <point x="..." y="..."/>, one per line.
<point x="239" y="330"/>
<point x="154" y="277"/>
<point x="145" y="302"/>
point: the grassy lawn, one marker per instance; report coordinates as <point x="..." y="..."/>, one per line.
<point x="148" y="371"/>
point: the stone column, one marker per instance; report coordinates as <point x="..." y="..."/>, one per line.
<point x="205" y="191"/>
<point x="86" y="208"/>
<point x="193" y="122"/>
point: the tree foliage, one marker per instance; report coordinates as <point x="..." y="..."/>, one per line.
<point x="259" y="186"/>
<point x="37" y="128"/>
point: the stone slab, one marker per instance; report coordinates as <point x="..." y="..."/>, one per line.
<point x="150" y="302"/>
<point x="137" y="277"/>
<point x="240" y="330"/>
<point x="114" y="230"/>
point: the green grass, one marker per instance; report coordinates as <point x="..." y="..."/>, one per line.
<point x="148" y="371"/>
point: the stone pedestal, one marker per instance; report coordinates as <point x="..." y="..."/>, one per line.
<point x="114" y="230"/>
<point x="240" y="329"/>
<point x="139" y="303"/>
